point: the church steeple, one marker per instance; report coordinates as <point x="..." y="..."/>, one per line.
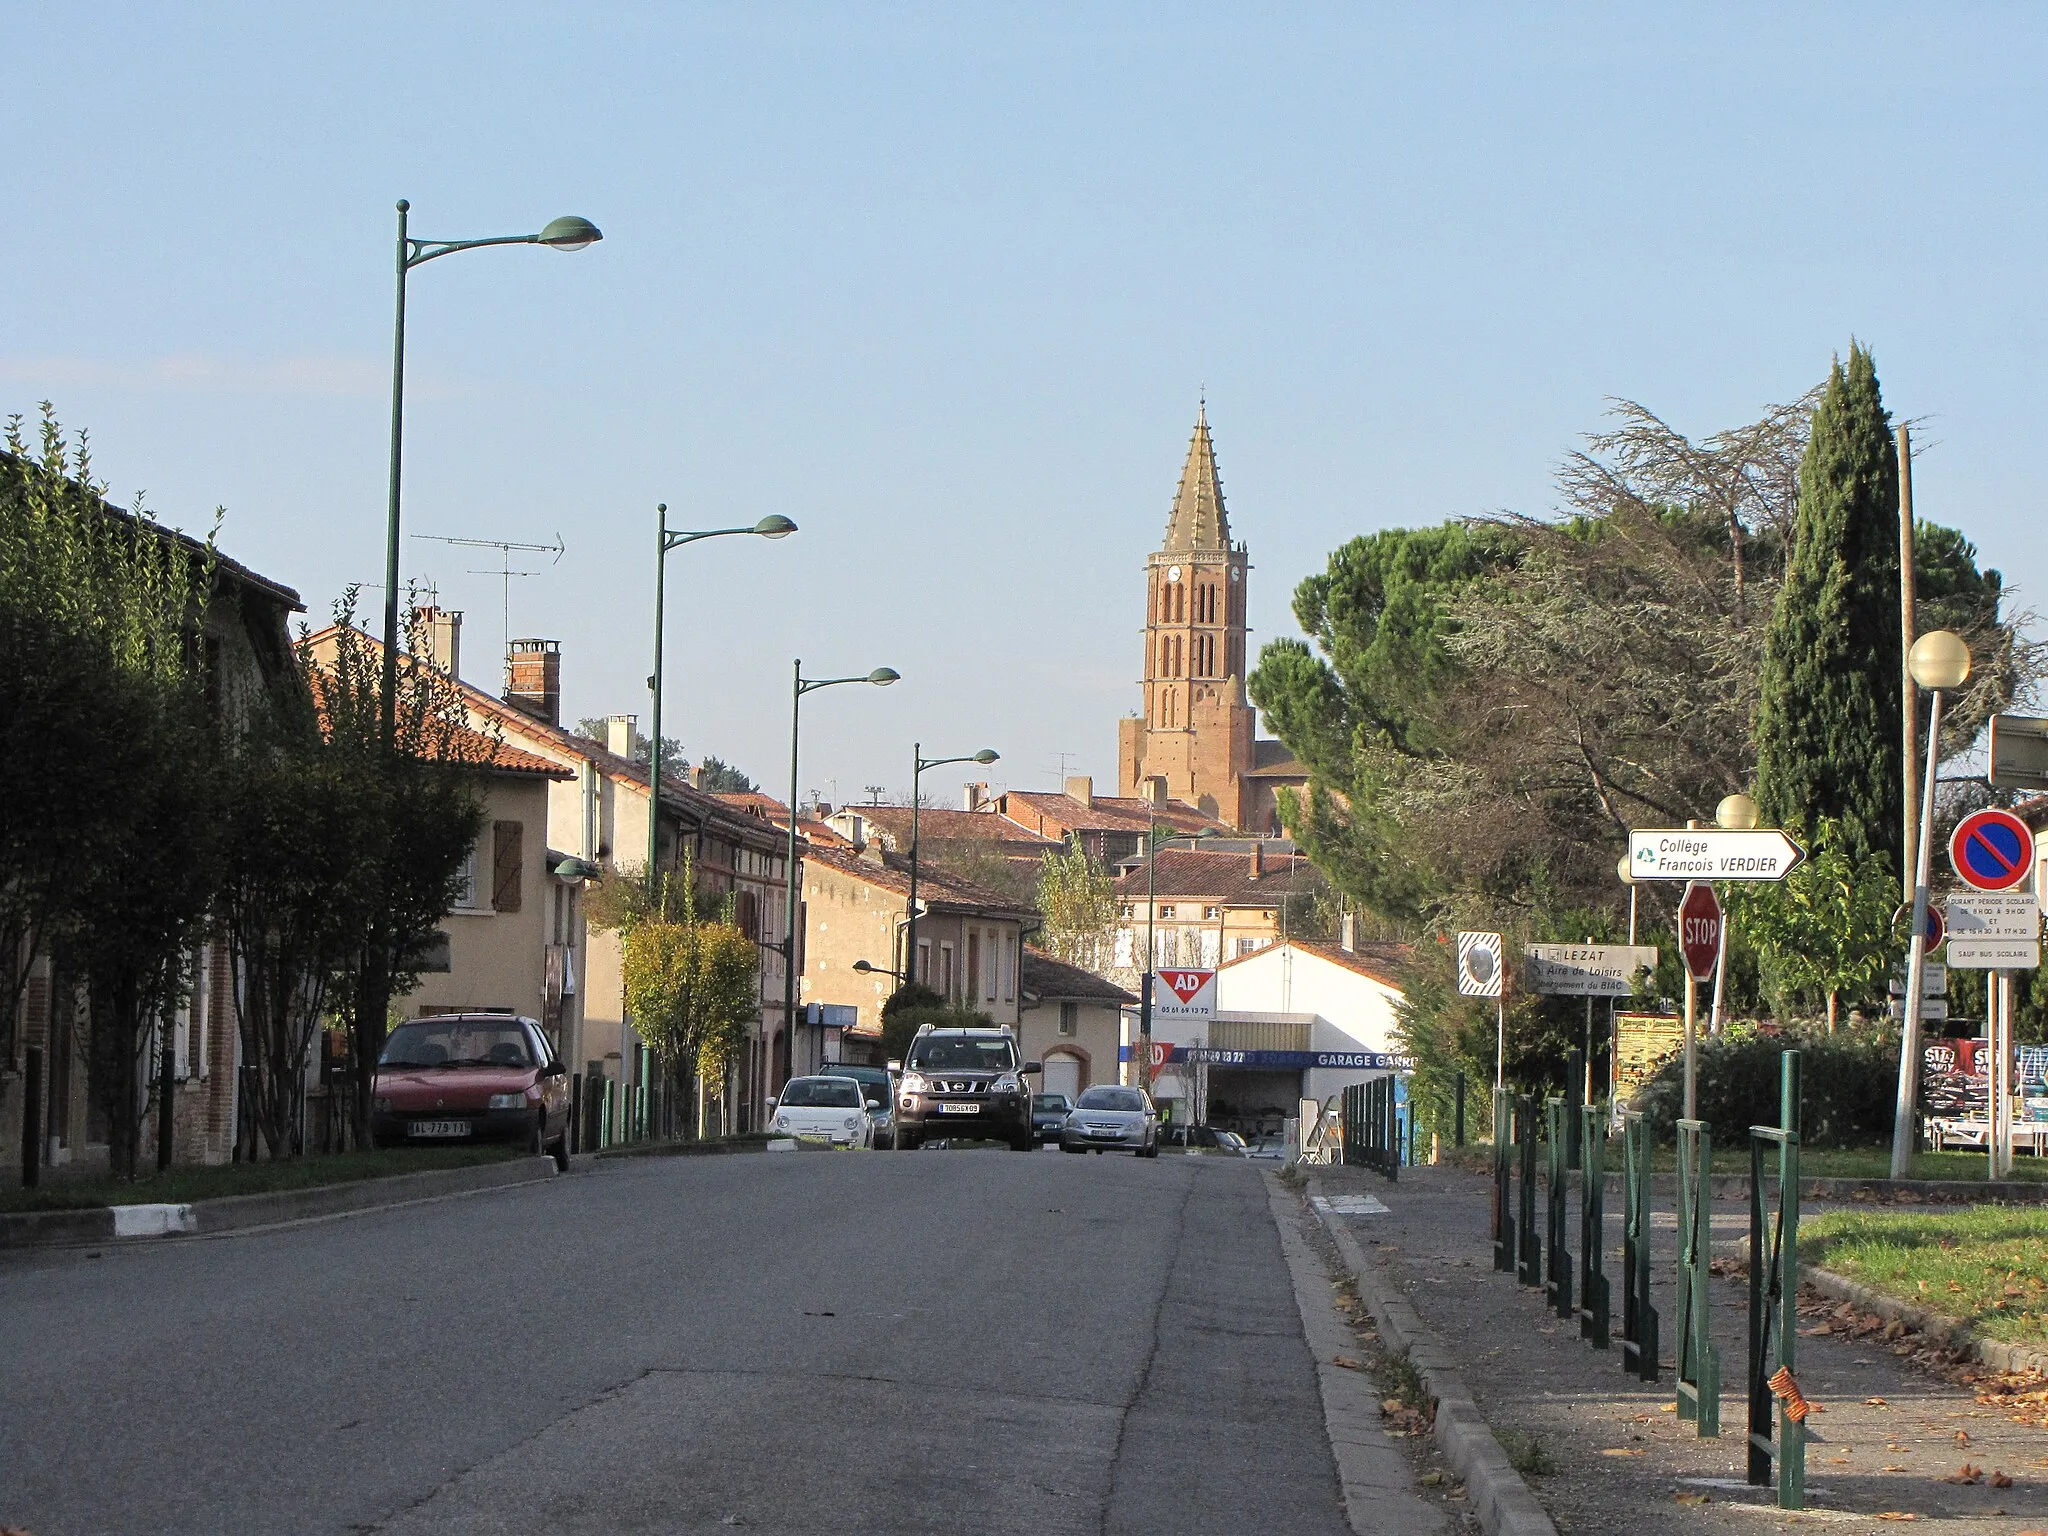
<point x="1198" y="520"/>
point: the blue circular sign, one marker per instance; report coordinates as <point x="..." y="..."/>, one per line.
<point x="1992" y="850"/>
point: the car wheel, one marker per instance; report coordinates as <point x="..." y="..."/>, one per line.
<point x="537" y="1141"/>
<point x="559" y="1151"/>
<point x="1151" y="1151"/>
<point x="907" y="1141"/>
<point x="1025" y="1143"/>
<point x="1077" y="1151"/>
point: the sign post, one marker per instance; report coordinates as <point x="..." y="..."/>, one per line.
<point x="1999" y="932"/>
<point x="1481" y="974"/>
<point x="1699" y="941"/>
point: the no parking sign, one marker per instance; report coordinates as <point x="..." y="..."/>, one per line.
<point x="1992" y="850"/>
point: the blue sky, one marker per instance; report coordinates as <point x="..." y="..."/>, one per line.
<point x="942" y="284"/>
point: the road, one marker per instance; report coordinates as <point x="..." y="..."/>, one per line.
<point x="957" y="1342"/>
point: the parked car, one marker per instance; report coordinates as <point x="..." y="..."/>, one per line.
<point x="1272" y="1145"/>
<point x="1048" y="1114"/>
<point x="829" y="1111"/>
<point x="1202" y="1138"/>
<point x="964" y="1084"/>
<point x="878" y="1085"/>
<point x="1107" y="1118"/>
<point x="472" y="1077"/>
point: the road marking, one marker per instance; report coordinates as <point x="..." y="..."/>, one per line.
<point x="1349" y="1205"/>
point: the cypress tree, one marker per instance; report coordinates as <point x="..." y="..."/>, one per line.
<point x="1828" y="719"/>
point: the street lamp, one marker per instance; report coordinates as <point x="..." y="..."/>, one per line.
<point x="1737" y="813"/>
<point x="1628" y="879"/>
<point x="1142" y="1049"/>
<point x="568" y="233"/>
<point x="881" y="677"/>
<point x="919" y="763"/>
<point x="866" y="969"/>
<point x="1939" y="662"/>
<point x="773" y="526"/>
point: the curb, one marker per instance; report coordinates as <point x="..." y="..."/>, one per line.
<point x="232" y="1213"/>
<point x="1500" y="1498"/>
<point x="1951" y="1331"/>
<point x="679" y="1149"/>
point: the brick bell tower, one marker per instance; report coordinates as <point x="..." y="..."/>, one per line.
<point x="1197" y="728"/>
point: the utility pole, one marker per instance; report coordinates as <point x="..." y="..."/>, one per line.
<point x="1909" y="694"/>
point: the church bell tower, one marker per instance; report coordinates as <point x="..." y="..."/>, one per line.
<point x="1196" y="729"/>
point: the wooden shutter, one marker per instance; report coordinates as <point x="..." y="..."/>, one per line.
<point x="507" y="864"/>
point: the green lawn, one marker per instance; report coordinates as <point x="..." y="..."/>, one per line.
<point x="181" y="1186"/>
<point x="1985" y="1264"/>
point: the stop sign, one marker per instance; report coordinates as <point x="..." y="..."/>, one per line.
<point x="1699" y="929"/>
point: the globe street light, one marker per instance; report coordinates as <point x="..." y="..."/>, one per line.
<point x="1628" y="879"/>
<point x="881" y="677"/>
<point x="1939" y="662"/>
<point x="1737" y="812"/>
<point x="919" y="763"/>
<point x="867" y="969"/>
<point x="568" y="233"/>
<point x="771" y="527"/>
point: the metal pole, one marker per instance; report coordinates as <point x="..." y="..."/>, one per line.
<point x="1716" y="1020"/>
<point x="789" y="925"/>
<point x="1999" y="1080"/>
<point x="1632" y="914"/>
<point x="1916" y="961"/>
<point x="1692" y="993"/>
<point x="1500" y="1048"/>
<point x="654" y="735"/>
<point x="388" y="705"/>
<point x="1909" y="700"/>
<point x="1141" y="1053"/>
<point x="910" y="919"/>
<point x="166" y="1110"/>
<point x="32" y="1120"/>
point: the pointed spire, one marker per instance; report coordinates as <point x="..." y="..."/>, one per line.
<point x="1198" y="520"/>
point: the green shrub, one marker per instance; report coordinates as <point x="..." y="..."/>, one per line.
<point x="1848" y="1086"/>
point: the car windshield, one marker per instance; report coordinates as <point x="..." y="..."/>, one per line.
<point x="1112" y="1098"/>
<point x="868" y="1077"/>
<point x="821" y="1093"/>
<point x="972" y="1055"/>
<point x="457" y="1043"/>
<point x="1056" y="1101"/>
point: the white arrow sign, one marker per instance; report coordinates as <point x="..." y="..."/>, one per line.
<point x="1712" y="854"/>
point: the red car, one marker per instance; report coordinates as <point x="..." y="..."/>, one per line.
<point x="472" y="1077"/>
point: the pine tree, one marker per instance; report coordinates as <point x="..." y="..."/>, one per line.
<point x="1828" y="716"/>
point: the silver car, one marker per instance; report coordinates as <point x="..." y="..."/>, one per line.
<point x="1108" y="1118"/>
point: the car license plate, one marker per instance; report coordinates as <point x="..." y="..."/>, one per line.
<point x="440" y="1128"/>
<point x="1104" y="1130"/>
<point x="959" y="1109"/>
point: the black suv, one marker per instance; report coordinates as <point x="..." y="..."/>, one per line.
<point x="966" y="1084"/>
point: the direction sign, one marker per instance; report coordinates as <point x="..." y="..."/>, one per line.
<point x="1712" y="853"/>
<point x="1992" y="850"/>
<point x="1933" y="980"/>
<point x="1932" y="1009"/>
<point x="1699" y="929"/>
<point x="1586" y="970"/>
<point x="1190" y="995"/>
<point x="1994" y="931"/>
<point x="2019" y="752"/>
<point x="1480" y="970"/>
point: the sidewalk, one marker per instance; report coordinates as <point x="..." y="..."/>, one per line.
<point x="1888" y="1436"/>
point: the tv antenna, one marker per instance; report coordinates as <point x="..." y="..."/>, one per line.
<point x="503" y="569"/>
<point x="1063" y="756"/>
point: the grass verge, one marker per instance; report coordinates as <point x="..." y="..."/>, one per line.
<point x="181" y="1186"/>
<point x="1987" y="1265"/>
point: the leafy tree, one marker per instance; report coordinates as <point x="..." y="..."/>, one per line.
<point x="719" y="777"/>
<point x="912" y="1006"/>
<point x="1826" y="930"/>
<point x="1828" y="710"/>
<point x="1077" y="903"/>
<point x="724" y="779"/>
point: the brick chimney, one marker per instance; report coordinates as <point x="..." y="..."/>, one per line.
<point x="697" y="776"/>
<point x="1258" y="869"/>
<point x="1155" y="788"/>
<point x="443" y="638"/>
<point x="533" y="678"/>
<point x="1347" y="933"/>
<point x="619" y="731"/>
<point x="975" y="797"/>
<point x="1082" y="788"/>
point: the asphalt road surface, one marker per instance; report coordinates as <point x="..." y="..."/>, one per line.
<point x="947" y="1342"/>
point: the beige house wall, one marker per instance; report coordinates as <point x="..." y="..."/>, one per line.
<point x="497" y="960"/>
<point x="1092" y="1046"/>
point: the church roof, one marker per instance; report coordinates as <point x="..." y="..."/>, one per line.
<point x="1198" y="520"/>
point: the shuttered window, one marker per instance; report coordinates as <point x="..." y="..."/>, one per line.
<point x="508" y="839"/>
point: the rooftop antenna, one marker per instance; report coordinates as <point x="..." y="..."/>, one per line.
<point x="503" y="569"/>
<point x="875" y="793"/>
<point x="1063" y="756"/>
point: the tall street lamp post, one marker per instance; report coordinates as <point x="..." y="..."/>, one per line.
<point x="1939" y="661"/>
<point x="881" y="677"/>
<point x="1141" y="1050"/>
<point x="770" y="527"/>
<point x="564" y="234"/>
<point x="919" y="763"/>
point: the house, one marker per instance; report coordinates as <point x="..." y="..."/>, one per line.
<point x="983" y="849"/>
<point x="248" y="648"/>
<point x="1219" y="902"/>
<point x="1111" y="828"/>
<point x="1069" y="1022"/>
<point x="969" y="940"/>
<point x="1295" y="1020"/>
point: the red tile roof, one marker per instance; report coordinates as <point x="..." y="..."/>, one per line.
<point x="1054" y="814"/>
<point x="934" y="825"/>
<point x="933" y="887"/>
<point x="1224" y="878"/>
<point x="1046" y="976"/>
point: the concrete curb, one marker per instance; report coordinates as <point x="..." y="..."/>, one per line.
<point x="26" y="1229"/>
<point x="1500" y="1498"/>
<point x="679" y="1149"/>
<point x="1951" y="1331"/>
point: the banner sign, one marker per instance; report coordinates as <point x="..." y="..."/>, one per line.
<point x="1188" y="996"/>
<point x="1283" y="1061"/>
<point x="1586" y="970"/>
<point x="1643" y="1042"/>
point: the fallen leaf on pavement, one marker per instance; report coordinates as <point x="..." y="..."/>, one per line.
<point x="1875" y="1402"/>
<point x="1430" y="1479"/>
<point x="1620" y="1450"/>
<point x="2000" y="1480"/>
<point x="1669" y="1408"/>
<point x="1896" y="1514"/>
<point x="1690" y="1498"/>
<point x="1966" y="1473"/>
<point x="1894" y="1467"/>
<point x="1962" y="1437"/>
<point x="1346" y="1361"/>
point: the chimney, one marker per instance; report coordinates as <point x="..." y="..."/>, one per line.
<point x="619" y="731"/>
<point x="975" y="798"/>
<point x="443" y="638"/>
<point x="533" y="678"/>
<point x="1155" y="789"/>
<point x="697" y="776"/>
<point x="1347" y="933"/>
<point x="1258" y="869"/>
<point x="1082" y="788"/>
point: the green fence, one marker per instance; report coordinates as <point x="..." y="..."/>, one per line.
<point x="1593" y="1322"/>
<point x="1557" y="1275"/>
<point x="1773" y="1287"/>
<point x="1638" y="1314"/>
<point x="1371" y="1124"/>
<point x="1699" y="1363"/>
<point x="1503" y="1181"/>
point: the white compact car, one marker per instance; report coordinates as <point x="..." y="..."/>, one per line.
<point x="825" y="1111"/>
